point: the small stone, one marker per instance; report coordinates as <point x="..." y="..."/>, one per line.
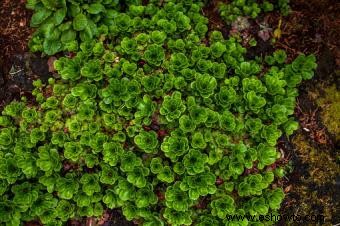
<point x="306" y="129"/>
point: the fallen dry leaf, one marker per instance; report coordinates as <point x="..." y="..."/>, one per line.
<point x="50" y="63"/>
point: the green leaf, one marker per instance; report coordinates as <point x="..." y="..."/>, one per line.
<point x="52" y="32"/>
<point x="80" y="22"/>
<point x="73" y="9"/>
<point x="65" y="26"/>
<point x="51" y="47"/>
<point x="40" y="16"/>
<point x="31" y="4"/>
<point x="59" y="16"/>
<point x="96" y="8"/>
<point x="86" y="34"/>
<point x="68" y="36"/>
<point x="54" y="4"/>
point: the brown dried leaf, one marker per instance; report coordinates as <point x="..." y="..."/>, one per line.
<point x="50" y="64"/>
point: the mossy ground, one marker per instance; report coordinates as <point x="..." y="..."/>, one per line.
<point x="317" y="184"/>
<point x="313" y="186"/>
<point x="329" y="102"/>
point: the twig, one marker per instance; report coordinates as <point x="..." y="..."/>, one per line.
<point x="16" y="72"/>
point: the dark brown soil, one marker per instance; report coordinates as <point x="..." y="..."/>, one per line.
<point x="313" y="27"/>
<point x="215" y="21"/>
<point x="117" y="219"/>
<point x="15" y="31"/>
<point x="14" y="34"/>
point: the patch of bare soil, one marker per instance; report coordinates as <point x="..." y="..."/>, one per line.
<point x="14" y="35"/>
<point x="312" y="187"/>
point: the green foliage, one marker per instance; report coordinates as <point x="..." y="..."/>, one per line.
<point x="147" y="141"/>
<point x="172" y="106"/>
<point x="175" y="146"/>
<point x="176" y="198"/>
<point x="251" y="8"/>
<point x="223" y="206"/>
<point x="151" y="114"/>
<point x="199" y="185"/>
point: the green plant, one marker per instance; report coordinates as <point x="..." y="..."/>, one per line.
<point x="251" y="8"/>
<point x="146" y="117"/>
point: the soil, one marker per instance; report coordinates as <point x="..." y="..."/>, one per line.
<point x="313" y="185"/>
<point x="15" y="30"/>
<point x="14" y="34"/>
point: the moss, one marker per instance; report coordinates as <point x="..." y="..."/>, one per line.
<point x="329" y="102"/>
<point x="322" y="166"/>
<point x="316" y="187"/>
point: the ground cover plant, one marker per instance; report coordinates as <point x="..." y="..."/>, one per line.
<point x="151" y="113"/>
<point x="251" y="8"/>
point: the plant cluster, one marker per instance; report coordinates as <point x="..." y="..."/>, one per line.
<point x="251" y="8"/>
<point x="63" y="24"/>
<point x="152" y="119"/>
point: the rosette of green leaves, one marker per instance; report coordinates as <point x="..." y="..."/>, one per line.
<point x="257" y="205"/>
<point x="223" y="206"/>
<point x="267" y="155"/>
<point x="199" y="185"/>
<point x="108" y="174"/>
<point x="172" y="106"/>
<point x="252" y="185"/>
<point x="178" y="62"/>
<point x="25" y="195"/>
<point x="226" y="96"/>
<point x="129" y="160"/>
<point x="90" y="183"/>
<point x="175" y="146"/>
<point x="187" y="124"/>
<point x="154" y="55"/>
<point x="156" y="165"/>
<point x="177" y="218"/>
<point x="254" y="101"/>
<point x="6" y="137"/>
<point x="145" y="197"/>
<point x="65" y="186"/>
<point x="73" y="150"/>
<point x="65" y="210"/>
<point x="49" y="161"/>
<point x="111" y="153"/>
<point x="177" y="199"/>
<point x="194" y="162"/>
<point x="138" y="176"/>
<point x="204" y="85"/>
<point x="198" y="114"/>
<point x="271" y="134"/>
<point x="125" y="191"/>
<point x="10" y="170"/>
<point x="274" y="198"/>
<point x="147" y="141"/>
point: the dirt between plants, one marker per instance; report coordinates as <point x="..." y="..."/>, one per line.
<point x="14" y="35"/>
<point x="313" y="186"/>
